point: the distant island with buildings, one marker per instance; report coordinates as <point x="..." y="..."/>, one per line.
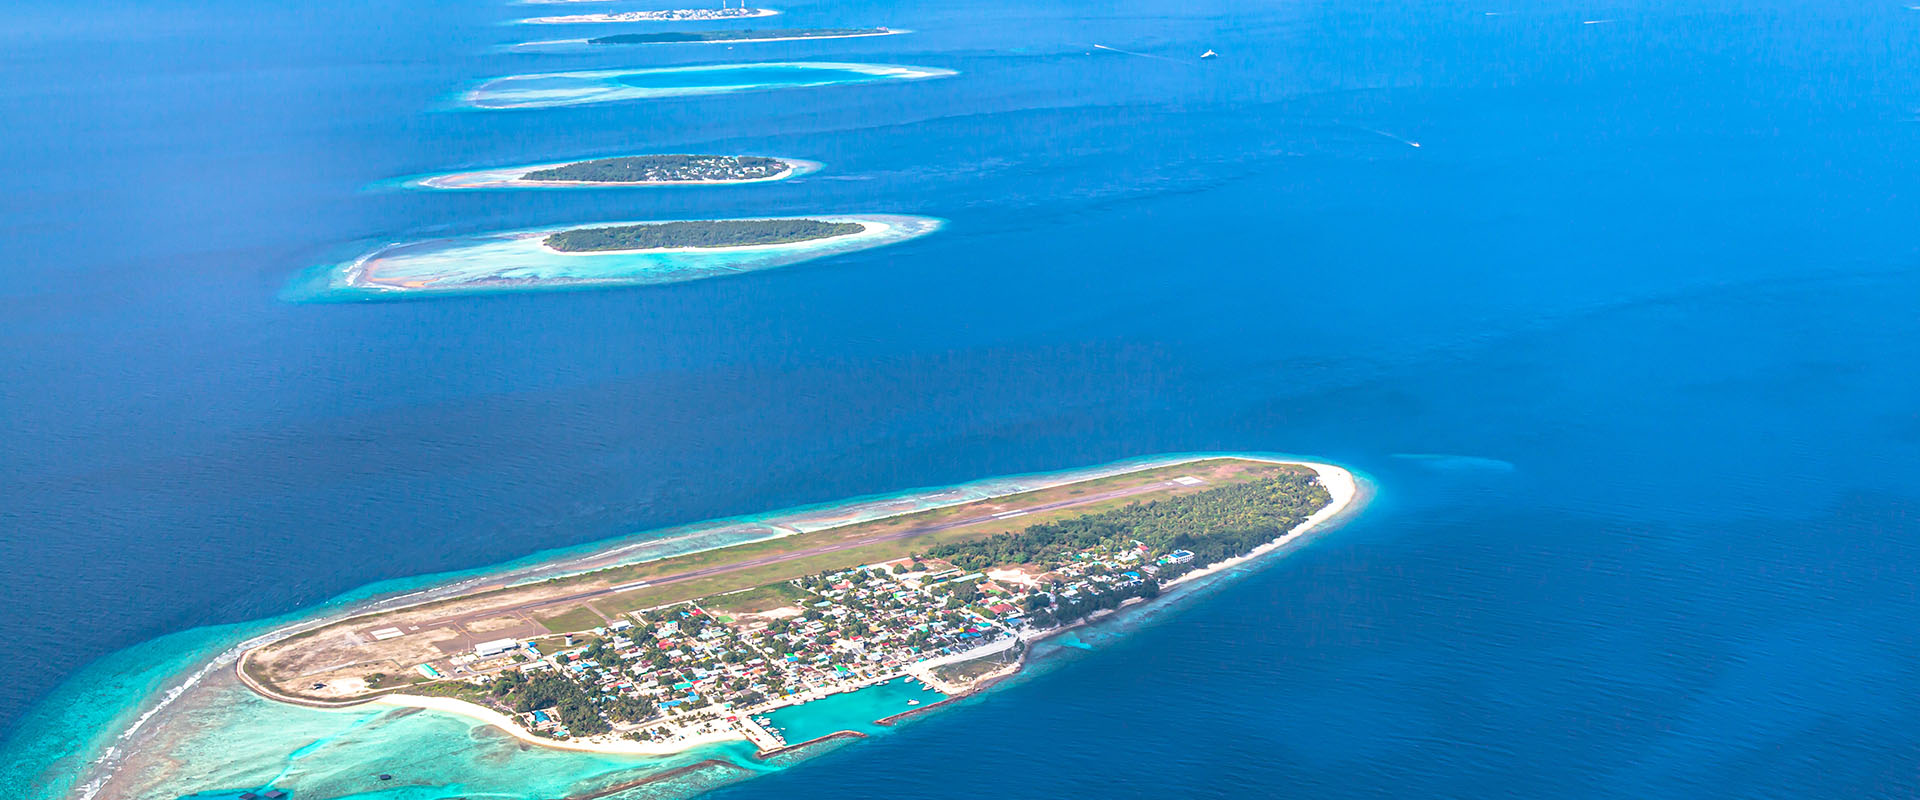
<point x="670" y="15"/>
<point x="674" y="169"/>
<point x="925" y="605"/>
<point x="665" y="169"/>
<point x="749" y="35"/>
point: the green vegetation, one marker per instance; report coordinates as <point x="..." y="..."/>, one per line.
<point x="732" y="36"/>
<point x="663" y="168"/>
<point x="700" y="233"/>
<point x="575" y="707"/>
<point x="581" y="618"/>
<point x="764" y="598"/>
<point x="1215" y="525"/>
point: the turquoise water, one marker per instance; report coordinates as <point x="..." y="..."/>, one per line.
<point x="1643" y="299"/>
<point x="604" y="86"/>
<point x="851" y="711"/>
<point x="518" y="261"/>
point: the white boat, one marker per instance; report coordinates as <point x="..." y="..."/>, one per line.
<point x="1209" y="54"/>
<point x="913" y="702"/>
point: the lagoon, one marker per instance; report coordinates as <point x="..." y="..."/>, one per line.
<point x="605" y="86"/>
<point x="854" y="711"/>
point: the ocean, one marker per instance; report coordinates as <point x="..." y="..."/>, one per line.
<point x="1625" y="345"/>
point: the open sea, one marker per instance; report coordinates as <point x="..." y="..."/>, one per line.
<point x="1613" y="301"/>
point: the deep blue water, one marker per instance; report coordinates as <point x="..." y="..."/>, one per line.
<point x="1654" y="274"/>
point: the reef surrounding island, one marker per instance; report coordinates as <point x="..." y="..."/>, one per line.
<point x="600" y="256"/>
<point x="552" y="89"/>
<point x="615" y="171"/>
<point x="858" y="616"/>
<point x="749" y="35"/>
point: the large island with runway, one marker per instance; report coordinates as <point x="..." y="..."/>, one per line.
<point x="910" y="608"/>
<point x="677" y="660"/>
<point x="600" y="256"/>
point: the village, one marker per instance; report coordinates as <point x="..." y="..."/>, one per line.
<point x="704" y="670"/>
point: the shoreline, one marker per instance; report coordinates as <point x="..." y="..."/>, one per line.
<point x="485" y="179"/>
<point x="589" y="87"/>
<point x="499" y="720"/>
<point x="1340" y="483"/>
<point x="520" y="261"/>
<point x="887" y="32"/>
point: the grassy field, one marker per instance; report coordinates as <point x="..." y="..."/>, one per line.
<point x="576" y="619"/>
<point x="757" y="599"/>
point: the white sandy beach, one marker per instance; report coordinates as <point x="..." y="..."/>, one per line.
<point x="488" y="716"/>
<point x="1340" y="483"/>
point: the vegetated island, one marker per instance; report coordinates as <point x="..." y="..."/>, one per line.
<point x="770" y="35"/>
<point x="698" y="234"/>
<point x="679" y="169"/>
<point x="664" y="655"/>
<point x="665" y="169"/>
<point x="670" y="15"/>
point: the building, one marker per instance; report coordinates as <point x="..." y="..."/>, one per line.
<point x="497" y="647"/>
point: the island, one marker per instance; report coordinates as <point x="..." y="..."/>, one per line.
<point x="599" y="256"/>
<point x="677" y="169"/>
<point x="553" y="89"/>
<point x="671" y="15"/>
<point x="749" y="35"/>
<point x="906" y="609"/>
<point x="698" y="234"/>
<point x="665" y="169"/>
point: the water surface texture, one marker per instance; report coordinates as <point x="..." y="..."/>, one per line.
<point x="1642" y="302"/>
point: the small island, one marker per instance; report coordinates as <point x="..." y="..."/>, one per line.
<point x="670" y="15"/>
<point x="698" y="234"/>
<point x="664" y="169"/>
<point x="600" y="255"/>
<point x="750" y="35"/>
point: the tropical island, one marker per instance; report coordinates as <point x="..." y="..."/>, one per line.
<point x="749" y="35"/>
<point x="598" y="256"/>
<point x="924" y="605"/>
<point x="699" y="234"/>
<point x="674" y="169"/>
<point x="664" y="169"/>
<point x="670" y="15"/>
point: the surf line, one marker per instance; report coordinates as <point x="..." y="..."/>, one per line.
<point x="1378" y="132"/>
<point x="1142" y="55"/>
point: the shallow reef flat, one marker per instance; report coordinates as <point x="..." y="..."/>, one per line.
<point x="522" y="261"/>
<point x="545" y="90"/>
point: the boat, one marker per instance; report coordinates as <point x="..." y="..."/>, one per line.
<point x="913" y="702"/>
<point x="1209" y="54"/>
